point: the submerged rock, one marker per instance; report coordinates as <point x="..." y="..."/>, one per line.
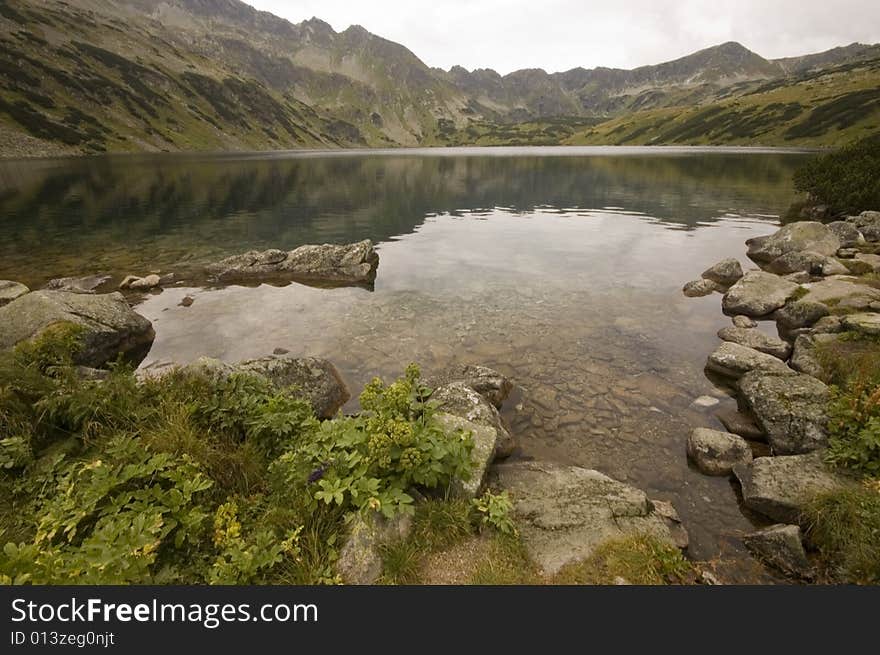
<point x="752" y="338"/>
<point x="725" y="273"/>
<point x="780" y="487"/>
<point x="701" y="287"/>
<point x="716" y="453"/>
<point x="110" y="327"/>
<point x="790" y="409"/>
<point x="354" y="263"/>
<point x="564" y="512"/>
<point x="757" y="294"/>
<point x="740" y="423"/>
<point x="801" y="236"/>
<point x="780" y="546"/>
<point x="87" y="284"/>
<point x="10" y="290"/>
<point x="733" y="360"/>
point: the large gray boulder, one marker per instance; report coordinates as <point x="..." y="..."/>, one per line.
<point x="564" y="512"/>
<point x="753" y="338"/>
<point x="460" y="399"/>
<point x="801" y="236"/>
<point x="868" y="223"/>
<point x="866" y="323"/>
<point x="757" y="294"/>
<point x="799" y="313"/>
<point x="110" y="327"/>
<point x="733" y="360"/>
<point x="847" y="233"/>
<point x="797" y="260"/>
<point x="483" y="454"/>
<point x="780" y="546"/>
<point x="781" y="487"/>
<point x="716" y="453"/>
<point x="790" y="409"/>
<point x="725" y="273"/>
<point x="841" y="290"/>
<point x="10" y="290"/>
<point x="803" y="356"/>
<point x="354" y="263"/>
<point x="489" y="383"/>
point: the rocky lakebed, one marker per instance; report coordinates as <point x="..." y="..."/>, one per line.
<point x="813" y="286"/>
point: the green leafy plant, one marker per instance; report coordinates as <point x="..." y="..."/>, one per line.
<point x="494" y="510"/>
<point x="854" y="428"/>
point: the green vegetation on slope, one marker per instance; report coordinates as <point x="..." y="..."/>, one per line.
<point x="847" y="181"/>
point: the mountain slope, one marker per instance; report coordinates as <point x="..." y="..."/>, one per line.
<point x="133" y="75"/>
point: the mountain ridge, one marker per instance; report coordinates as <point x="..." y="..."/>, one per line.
<point x="95" y="75"/>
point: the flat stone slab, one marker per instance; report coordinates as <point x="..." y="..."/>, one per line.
<point x="780" y="487"/>
<point x="733" y="360"/>
<point x="838" y="288"/>
<point x="757" y="294"/>
<point x="564" y="512"/>
<point x="10" y="290"/>
<point x="753" y="338"/>
<point x="790" y="409"/>
<point x="864" y="323"/>
<point x="715" y="452"/>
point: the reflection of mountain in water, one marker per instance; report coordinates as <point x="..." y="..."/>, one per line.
<point x="155" y="211"/>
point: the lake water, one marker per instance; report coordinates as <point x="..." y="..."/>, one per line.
<point x="561" y="267"/>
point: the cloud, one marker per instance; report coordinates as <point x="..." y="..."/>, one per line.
<point x="562" y="34"/>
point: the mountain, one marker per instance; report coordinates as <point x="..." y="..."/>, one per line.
<point x="131" y="75"/>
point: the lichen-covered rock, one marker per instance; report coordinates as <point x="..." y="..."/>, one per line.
<point x="868" y="223"/>
<point x="780" y="487"/>
<point x="863" y="323"/>
<point x="780" y="546"/>
<point x="752" y="338"/>
<point x="733" y="360"/>
<point x="564" y="512"/>
<point x="360" y="559"/>
<point x="799" y="313"/>
<point x="838" y="289"/>
<point x="701" y="287"/>
<point x="460" y="399"/>
<point x="354" y="263"/>
<point x="110" y="327"/>
<point x="795" y="261"/>
<point x="757" y="294"/>
<point x="847" y="233"/>
<point x="87" y="284"/>
<point x="489" y="383"/>
<point x="725" y="273"/>
<point x="716" y="453"/>
<point x="317" y="378"/>
<point x="485" y="444"/>
<point x="790" y="409"/>
<point x="10" y="290"/>
<point x="800" y="236"/>
<point x="741" y="321"/>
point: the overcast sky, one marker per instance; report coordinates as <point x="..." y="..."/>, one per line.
<point x="561" y="34"/>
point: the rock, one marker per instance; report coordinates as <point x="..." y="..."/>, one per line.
<point x="10" y="290"/>
<point x="741" y="321"/>
<point x="828" y="325"/>
<point x="485" y="444"/>
<point x="847" y="233"/>
<point x="798" y="277"/>
<point x="863" y="323"/>
<point x="780" y="487"/>
<point x="790" y="409"/>
<point x="187" y="301"/>
<point x="833" y="266"/>
<point x="752" y="338"/>
<point x="716" y="453"/>
<point x="673" y="522"/>
<point x="839" y="289"/>
<point x="725" y="273"/>
<point x="360" y="559"/>
<point x="798" y="261"/>
<point x="564" y="512"/>
<point x="803" y="357"/>
<point x="868" y="223"/>
<point x="740" y="424"/>
<point x="86" y="284"/>
<point x="704" y="402"/>
<point x="869" y="259"/>
<point x="354" y="263"/>
<point x="316" y="378"/>
<point x="487" y="382"/>
<point x="280" y="351"/>
<point x="460" y="399"/>
<point x="801" y="236"/>
<point x="701" y="287"/>
<point x="733" y="360"/>
<point x="127" y="281"/>
<point x="781" y="547"/>
<point x="757" y="294"/>
<point x="145" y="283"/>
<point x="799" y="313"/>
<point x="110" y="326"/>
<point x="847" y="253"/>
<point x="92" y="374"/>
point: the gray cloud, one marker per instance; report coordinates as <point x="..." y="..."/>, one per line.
<point x="562" y="34"/>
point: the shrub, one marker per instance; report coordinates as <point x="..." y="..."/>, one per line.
<point x="494" y="510"/>
<point x="847" y="180"/>
<point x="854" y="428"/>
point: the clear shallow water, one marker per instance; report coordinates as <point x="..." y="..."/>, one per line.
<point x="560" y="267"/>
